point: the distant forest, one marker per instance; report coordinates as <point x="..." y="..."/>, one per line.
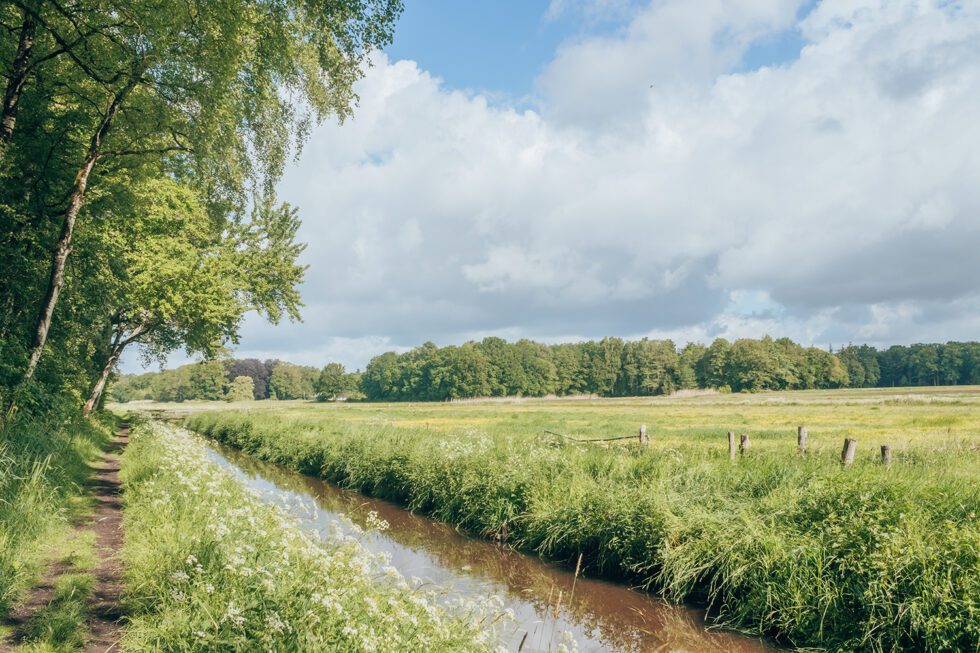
<point x="610" y="367"/>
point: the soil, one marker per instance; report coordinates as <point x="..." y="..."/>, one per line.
<point x="105" y="607"/>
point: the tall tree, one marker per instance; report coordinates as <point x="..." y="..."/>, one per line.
<point x="240" y="389"/>
<point x="332" y="382"/>
<point x="711" y="370"/>
<point x="215" y="91"/>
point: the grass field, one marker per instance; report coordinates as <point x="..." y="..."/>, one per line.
<point x="906" y="418"/>
<point x="859" y="558"/>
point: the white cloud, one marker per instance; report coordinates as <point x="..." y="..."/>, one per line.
<point x="616" y="80"/>
<point x="840" y="187"/>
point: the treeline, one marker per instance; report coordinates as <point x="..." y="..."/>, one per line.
<point x="614" y="367"/>
<point x="610" y="367"/>
<point x="238" y="380"/>
<point x="139" y="150"/>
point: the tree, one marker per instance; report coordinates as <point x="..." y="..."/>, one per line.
<point x="381" y="377"/>
<point x="861" y="362"/>
<point x="460" y="372"/>
<point x="211" y="92"/>
<point x="648" y="368"/>
<point x="687" y="364"/>
<point x="260" y="372"/>
<point x="712" y="369"/>
<point x="568" y="361"/>
<point x="290" y="381"/>
<point x="952" y="361"/>
<point x="333" y="382"/>
<point x="208" y="380"/>
<point x="240" y="389"/>
<point x="826" y="369"/>
<point x="752" y="367"/>
<point x="923" y="364"/>
<point x="894" y="366"/>
<point x="180" y="282"/>
<point x="538" y="374"/>
<point x="602" y="364"/>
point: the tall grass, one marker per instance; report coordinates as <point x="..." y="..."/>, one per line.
<point x="866" y="558"/>
<point x="43" y="470"/>
<point x="211" y="568"/>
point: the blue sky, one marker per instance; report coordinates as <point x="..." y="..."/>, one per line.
<point x="484" y="46"/>
<point x="572" y="169"/>
<point x="501" y="47"/>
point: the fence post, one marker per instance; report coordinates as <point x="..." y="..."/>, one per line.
<point x="886" y="455"/>
<point x="847" y="453"/>
<point x="801" y="439"/>
<point x="743" y="444"/>
<point x="644" y="438"/>
<point x="731" y="446"/>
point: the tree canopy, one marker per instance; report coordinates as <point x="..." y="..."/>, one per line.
<point x="140" y="142"/>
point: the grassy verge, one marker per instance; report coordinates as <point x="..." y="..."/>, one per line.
<point x="44" y="465"/>
<point x="61" y="626"/>
<point x="210" y="567"/>
<point x="865" y="558"/>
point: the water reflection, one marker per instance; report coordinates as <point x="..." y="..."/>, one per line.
<point x="547" y="601"/>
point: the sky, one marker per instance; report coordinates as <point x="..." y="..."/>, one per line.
<point x="581" y="168"/>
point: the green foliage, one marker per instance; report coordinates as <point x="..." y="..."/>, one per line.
<point x="858" y="559"/>
<point x="148" y="140"/>
<point x="612" y="367"/>
<point x="290" y="381"/>
<point x="333" y="382"/>
<point x="209" y="567"/>
<point x="259" y="371"/>
<point x="241" y="389"/>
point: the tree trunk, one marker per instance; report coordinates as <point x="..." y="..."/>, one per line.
<point x="99" y="388"/>
<point x="117" y="346"/>
<point x="15" y="83"/>
<point x="75" y="202"/>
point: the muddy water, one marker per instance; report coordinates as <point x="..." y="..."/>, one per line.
<point x="600" y="616"/>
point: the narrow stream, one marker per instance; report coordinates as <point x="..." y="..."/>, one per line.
<point x="601" y="616"/>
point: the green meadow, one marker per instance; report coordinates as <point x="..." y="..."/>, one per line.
<point x="777" y="543"/>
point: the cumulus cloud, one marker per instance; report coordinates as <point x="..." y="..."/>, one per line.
<point x="832" y="197"/>
<point x="616" y="80"/>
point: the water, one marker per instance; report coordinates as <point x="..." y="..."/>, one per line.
<point x="600" y="616"/>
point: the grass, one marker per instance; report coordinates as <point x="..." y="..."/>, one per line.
<point x="864" y="558"/>
<point x="212" y="568"/>
<point x="62" y="625"/>
<point x="44" y="466"/>
<point x="903" y="417"/>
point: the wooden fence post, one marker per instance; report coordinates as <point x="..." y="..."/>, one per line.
<point x="886" y="455"/>
<point x="743" y="444"/>
<point x="731" y="446"/>
<point x="847" y="453"/>
<point x="644" y="438"/>
<point x="801" y="439"/>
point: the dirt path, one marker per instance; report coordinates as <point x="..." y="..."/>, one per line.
<point x="105" y="523"/>
<point x="104" y="605"/>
